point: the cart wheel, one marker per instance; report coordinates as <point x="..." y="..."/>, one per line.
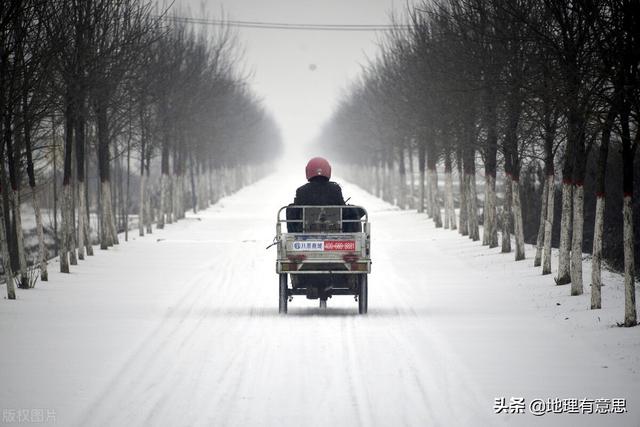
<point x="323" y="303"/>
<point x="284" y="297"/>
<point x="362" y="295"/>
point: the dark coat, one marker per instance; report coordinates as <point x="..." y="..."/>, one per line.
<point x="317" y="192"/>
<point x="320" y="192"/>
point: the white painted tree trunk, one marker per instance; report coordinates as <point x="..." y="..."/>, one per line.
<point x="537" y="261"/>
<point x="64" y="231"/>
<point x="171" y="188"/>
<point x="451" y="214"/>
<point x="6" y="262"/>
<point x="148" y="211"/>
<point x="548" y="225"/>
<point x="464" y="210"/>
<point x="141" y="216"/>
<point x="472" y="203"/>
<point x="211" y="186"/>
<point x="518" y="229"/>
<point x="412" y="188"/>
<point x="87" y="223"/>
<point x="490" y="231"/>
<point x="109" y="235"/>
<point x="445" y="202"/>
<point x="576" y="242"/>
<point x="73" y="241"/>
<point x="399" y="191"/>
<point x="596" y="260"/>
<point x="506" y="215"/>
<point x="42" y="249"/>
<point x="83" y="236"/>
<point x="163" y="201"/>
<point x="435" y="203"/>
<point x="112" y="219"/>
<point x="564" y="272"/>
<point x="175" y="201"/>
<point x="630" y="314"/>
<point x="105" y="213"/>
<point x="422" y="196"/>
<point x="429" y="195"/>
<point x="22" y="257"/>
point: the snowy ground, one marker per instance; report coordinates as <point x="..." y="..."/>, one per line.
<point x="181" y="328"/>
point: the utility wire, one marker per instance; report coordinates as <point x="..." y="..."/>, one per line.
<point x="287" y="26"/>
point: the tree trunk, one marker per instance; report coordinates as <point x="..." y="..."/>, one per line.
<point x="490" y="229"/>
<point x="491" y="226"/>
<point x="472" y="204"/>
<point x="126" y="194"/>
<point x="6" y="262"/>
<point x="517" y="220"/>
<point x="576" y="242"/>
<point x="55" y="187"/>
<point x="66" y="228"/>
<point x="564" y="272"/>
<point x="628" y="157"/>
<point x="506" y="215"/>
<point x="163" y="200"/>
<point x="194" y="197"/>
<point x="402" y="180"/>
<point x="596" y="260"/>
<point x="548" y="225"/>
<point x="435" y="205"/>
<point x="564" y="260"/>
<point x="108" y="234"/>
<point x="84" y="230"/>
<point x="42" y="249"/>
<point x="421" y="165"/>
<point x="149" y="207"/>
<point x="141" y="205"/>
<point x="17" y="219"/>
<point x="412" y="189"/>
<point x="630" y="315"/>
<point x="464" y="214"/>
<point x="537" y="261"/>
<point x="73" y="241"/>
<point x="450" y="212"/>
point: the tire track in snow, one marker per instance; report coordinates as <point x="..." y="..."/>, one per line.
<point x="147" y="360"/>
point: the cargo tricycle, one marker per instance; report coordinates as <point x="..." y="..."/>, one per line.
<point x="324" y="251"/>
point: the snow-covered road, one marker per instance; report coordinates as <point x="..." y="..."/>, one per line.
<point x="180" y="328"/>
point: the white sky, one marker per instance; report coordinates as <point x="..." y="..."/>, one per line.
<point x="301" y="99"/>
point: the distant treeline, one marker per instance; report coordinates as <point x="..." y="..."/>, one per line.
<point x="544" y="95"/>
<point x="93" y="91"/>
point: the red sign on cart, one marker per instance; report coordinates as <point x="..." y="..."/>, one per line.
<point x="339" y="245"/>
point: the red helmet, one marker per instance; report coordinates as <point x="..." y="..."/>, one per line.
<point x="318" y="166"/>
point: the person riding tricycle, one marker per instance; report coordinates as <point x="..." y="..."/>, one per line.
<point x="326" y="250"/>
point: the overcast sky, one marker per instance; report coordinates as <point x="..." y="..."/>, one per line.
<point x="300" y="98"/>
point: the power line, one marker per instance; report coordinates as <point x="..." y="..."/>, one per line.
<point x="287" y="26"/>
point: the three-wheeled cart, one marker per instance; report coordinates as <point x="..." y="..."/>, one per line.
<point x="325" y="251"/>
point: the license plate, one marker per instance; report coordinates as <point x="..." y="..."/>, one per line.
<point x="340" y="245"/>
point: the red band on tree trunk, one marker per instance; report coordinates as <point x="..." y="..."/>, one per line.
<point x="567" y="181"/>
<point x="628" y="194"/>
<point x="578" y="183"/>
<point x="600" y="194"/>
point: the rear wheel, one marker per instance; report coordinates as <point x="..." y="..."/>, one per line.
<point x="363" y="295"/>
<point x="323" y="303"/>
<point x="284" y="294"/>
